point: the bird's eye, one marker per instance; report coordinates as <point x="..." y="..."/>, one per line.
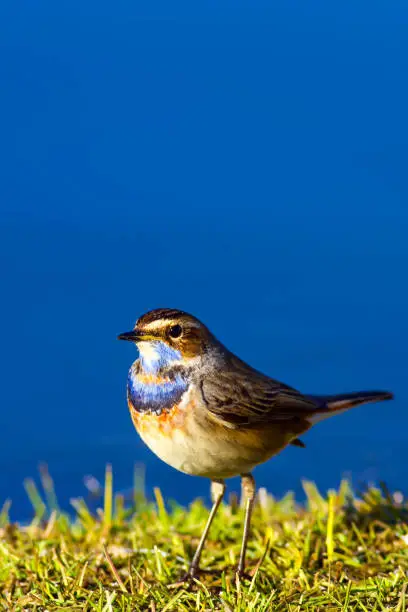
<point x="175" y="331"/>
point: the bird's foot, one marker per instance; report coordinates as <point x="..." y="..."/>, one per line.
<point x="186" y="579"/>
<point x="241" y="575"/>
<point x="190" y="576"/>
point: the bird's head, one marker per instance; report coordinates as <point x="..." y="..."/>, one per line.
<point x="164" y="336"/>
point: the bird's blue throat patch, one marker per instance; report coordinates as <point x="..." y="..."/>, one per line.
<point x="144" y="393"/>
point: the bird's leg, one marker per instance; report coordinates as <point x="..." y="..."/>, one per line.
<point x="248" y="491"/>
<point x="217" y="493"/>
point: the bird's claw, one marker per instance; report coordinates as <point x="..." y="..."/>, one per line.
<point x="242" y="575"/>
<point x="186" y="579"/>
<point x="191" y="576"/>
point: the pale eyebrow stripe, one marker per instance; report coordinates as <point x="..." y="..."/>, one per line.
<point x="157" y="324"/>
<point x="160" y="324"/>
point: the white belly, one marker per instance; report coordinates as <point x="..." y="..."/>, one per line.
<point x="192" y="443"/>
<point x="201" y="455"/>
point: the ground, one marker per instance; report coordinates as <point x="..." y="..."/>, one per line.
<point x="337" y="552"/>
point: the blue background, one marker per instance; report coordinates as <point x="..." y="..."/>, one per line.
<point x="244" y="161"/>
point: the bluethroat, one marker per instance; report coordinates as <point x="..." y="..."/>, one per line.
<point x="207" y="413"/>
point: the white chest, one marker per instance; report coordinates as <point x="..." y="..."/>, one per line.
<point x="191" y="443"/>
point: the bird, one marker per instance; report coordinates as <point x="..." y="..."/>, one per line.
<point x="205" y="412"/>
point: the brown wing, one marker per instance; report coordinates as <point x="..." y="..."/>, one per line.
<point x="240" y="396"/>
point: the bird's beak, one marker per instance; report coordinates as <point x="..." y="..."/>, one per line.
<point x="131" y="336"/>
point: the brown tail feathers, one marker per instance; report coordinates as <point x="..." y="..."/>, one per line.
<point x="328" y="405"/>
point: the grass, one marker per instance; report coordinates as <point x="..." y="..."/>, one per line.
<point x="335" y="553"/>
